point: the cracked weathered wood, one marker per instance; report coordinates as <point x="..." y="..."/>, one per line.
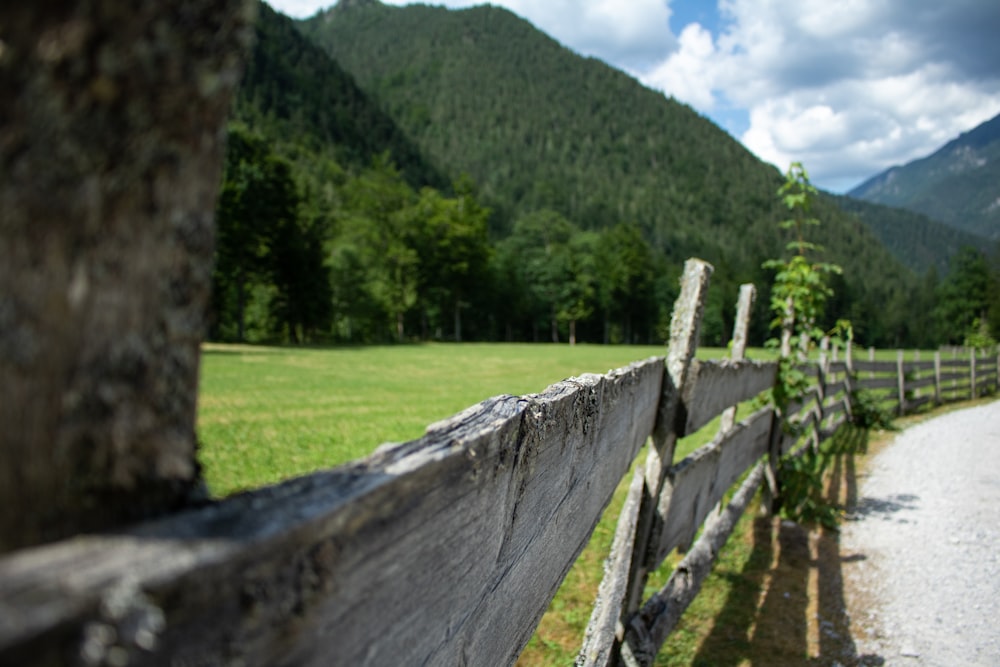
<point x="685" y="325"/>
<point x="111" y="132"/>
<point x="602" y="636"/>
<point x="445" y="550"/>
<point x="738" y="345"/>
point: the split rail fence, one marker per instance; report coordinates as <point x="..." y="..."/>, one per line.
<point x="447" y="550"/>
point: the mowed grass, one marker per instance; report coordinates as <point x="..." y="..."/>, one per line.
<point x="267" y="414"/>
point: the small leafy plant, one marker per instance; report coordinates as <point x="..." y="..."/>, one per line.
<point x="798" y="297"/>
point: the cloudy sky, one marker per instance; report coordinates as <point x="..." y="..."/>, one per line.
<point x="848" y="87"/>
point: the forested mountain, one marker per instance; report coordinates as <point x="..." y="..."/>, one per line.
<point x="539" y="127"/>
<point x="304" y="102"/>
<point x="958" y="184"/>
<point x="914" y="239"/>
<point x="479" y="181"/>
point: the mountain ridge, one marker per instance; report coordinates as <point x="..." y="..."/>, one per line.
<point x="958" y="184"/>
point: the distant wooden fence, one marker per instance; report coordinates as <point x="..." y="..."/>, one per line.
<point x="447" y="550"/>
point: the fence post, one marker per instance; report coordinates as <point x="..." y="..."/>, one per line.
<point x="685" y="325"/>
<point x="743" y="307"/>
<point x="748" y="293"/>
<point x="871" y="358"/>
<point x="937" y="377"/>
<point x="972" y="373"/>
<point x="954" y="379"/>
<point x="901" y="382"/>
<point x="110" y="178"/>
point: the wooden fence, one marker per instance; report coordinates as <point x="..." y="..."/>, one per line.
<point x="447" y="550"/>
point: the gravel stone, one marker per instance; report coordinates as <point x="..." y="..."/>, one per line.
<point x="928" y="526"/>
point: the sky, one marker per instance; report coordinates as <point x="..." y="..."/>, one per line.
<point x="847" y="87"/>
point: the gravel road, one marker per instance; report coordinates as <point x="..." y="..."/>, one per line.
<point x="923" y="577"/>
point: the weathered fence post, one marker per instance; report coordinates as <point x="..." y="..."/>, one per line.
<point x="901" y="382"/>
<point x="937" y="377"/>
<point x="744" y="306"/>
<point x="621" y="589"/>
<point x="685" y="325"/>
<point x="110" y="160"/>
<point x="972" y="373"/>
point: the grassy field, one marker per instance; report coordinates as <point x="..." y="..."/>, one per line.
<point x="266" y="414"/>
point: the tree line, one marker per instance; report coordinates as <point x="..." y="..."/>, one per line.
<point x="368" y="258"/>
<point x="316" y="253"/>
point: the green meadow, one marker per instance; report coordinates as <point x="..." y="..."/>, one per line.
<point x="270" y="413"/>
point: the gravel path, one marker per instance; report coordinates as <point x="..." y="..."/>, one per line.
<point x="923" y="579"/>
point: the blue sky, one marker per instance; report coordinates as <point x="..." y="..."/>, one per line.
<point x="848" y="87"/>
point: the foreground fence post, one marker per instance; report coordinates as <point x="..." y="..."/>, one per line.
<point x="685" y="326"/>
<point x="621" y="589"/>
<point x="110" y="160"/>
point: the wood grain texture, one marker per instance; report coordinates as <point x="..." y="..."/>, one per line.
<point x="714" y="386"/>
<point x="111" y="151"/>
<point x="444" y="550"/>
<point x="737" y="347"/>
<point x="697" y="483"/>
<point x="600" y="639"/>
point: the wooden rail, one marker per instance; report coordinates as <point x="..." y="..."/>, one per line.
<point x="447" y="549"/>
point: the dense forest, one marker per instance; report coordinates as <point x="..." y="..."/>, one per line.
<point x="471" y="179"/>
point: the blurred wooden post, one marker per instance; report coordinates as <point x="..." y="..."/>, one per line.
<point x="111" y="138"/>
<point x="901" y="382"/>
<point x="972" y="373"/>
<point x="937" y="377"/>
<point x="744" y="306"/>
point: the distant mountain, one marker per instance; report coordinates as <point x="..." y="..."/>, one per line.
<point x="302" y="100"/>
<point x="958" y="184"/>
<point x="914" y="239"/>
<point x="537" y="126"/>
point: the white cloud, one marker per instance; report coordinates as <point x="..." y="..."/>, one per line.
<point x="689" y="74"/>
<point x="300" y="9"/>
<point x="849" y="88"/>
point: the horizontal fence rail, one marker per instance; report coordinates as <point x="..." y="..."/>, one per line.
<point x="449" y="548"/>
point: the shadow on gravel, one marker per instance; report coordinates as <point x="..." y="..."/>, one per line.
<point x="884" y="507"/>
<point x="787" y="605"/>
